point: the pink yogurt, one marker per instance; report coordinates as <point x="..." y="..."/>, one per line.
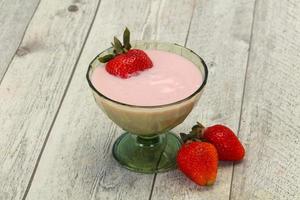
<point x="172" y="78"/>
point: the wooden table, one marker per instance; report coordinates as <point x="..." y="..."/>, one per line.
<point x="55" y="143"/>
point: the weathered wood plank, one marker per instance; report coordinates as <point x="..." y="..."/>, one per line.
<point x="33" y="87"/>
<point x="270" y="124"/>
<point x="220" y="33"/>
<point x="77" y="161"/>
<point x="14" y="18"/>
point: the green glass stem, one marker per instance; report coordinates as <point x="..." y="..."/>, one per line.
<point x="149" y="141"/>
<point x="147" y="154"/>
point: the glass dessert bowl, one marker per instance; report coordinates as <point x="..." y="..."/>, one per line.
<point x="148" y="146"/>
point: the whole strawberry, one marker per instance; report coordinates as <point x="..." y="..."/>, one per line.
<point x="226" y="142"/>
<point x="125" y="62"/>
<point x="199" y="162"/>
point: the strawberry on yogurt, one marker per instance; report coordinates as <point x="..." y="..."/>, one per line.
<point x="172" y="78"/>
<point x="145" y="77"/>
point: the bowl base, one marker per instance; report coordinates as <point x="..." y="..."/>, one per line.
<point x="147" y="154"/>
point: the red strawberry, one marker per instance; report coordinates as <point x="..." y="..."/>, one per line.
<point x="228" y="145"/>
<point x="125" y="62"/>
<point x="129" y="63"/>
<point x="198" y="161"/>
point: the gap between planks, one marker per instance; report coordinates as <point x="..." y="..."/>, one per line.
<point x="244" y="87"/>
<point x="22" y="38"/>
<point x="62" y="99"/>
<point x="188" y="31"/>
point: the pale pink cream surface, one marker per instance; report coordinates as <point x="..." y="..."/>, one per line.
<point x="172" y="78"/>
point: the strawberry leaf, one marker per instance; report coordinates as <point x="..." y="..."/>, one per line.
<point x="118" y="46"/>
<point x="106" y="58"/>
<point x="184" y="137"/>
<point x="126" y="39"/>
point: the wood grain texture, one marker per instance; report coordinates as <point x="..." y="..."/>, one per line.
<point x="34" y="85"/>
<point x="220" y="33"/>
<point x="77" y="162"/>
<point x="270" y="123"/>
<point x="14" y="18"/>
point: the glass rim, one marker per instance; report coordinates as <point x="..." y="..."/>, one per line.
<point x="155" y="106"/>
